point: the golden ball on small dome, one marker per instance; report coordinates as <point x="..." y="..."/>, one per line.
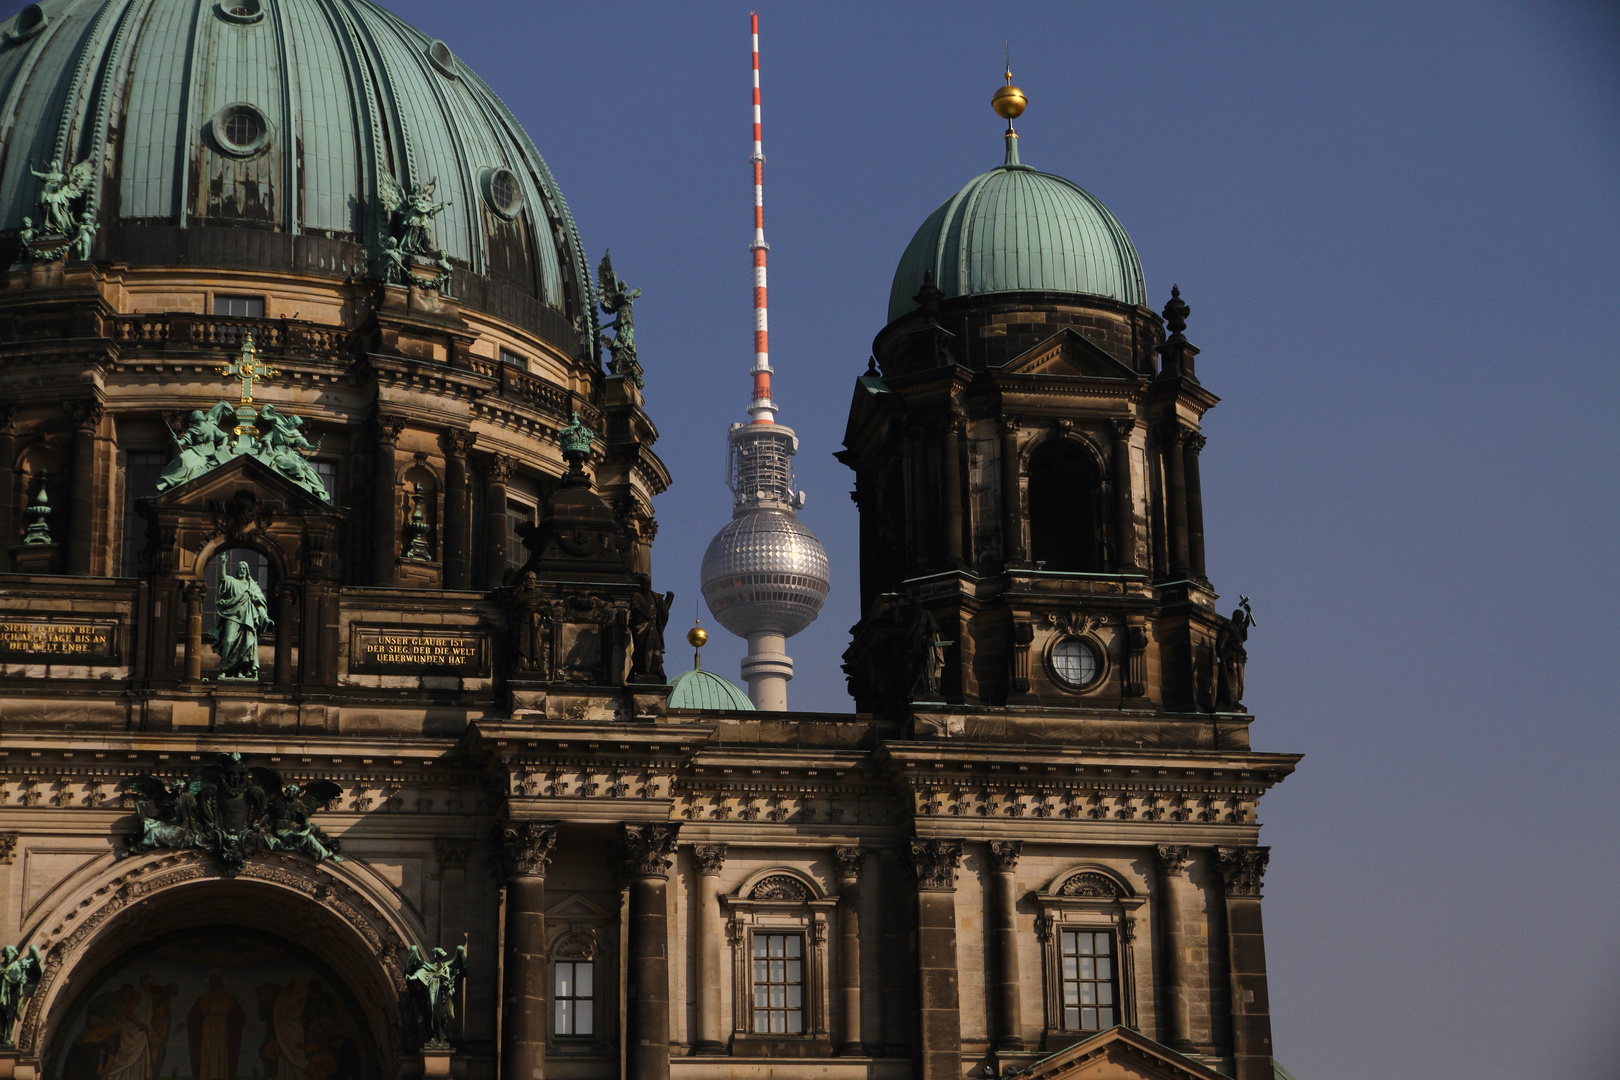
<point x="697" y="637"/>
<point x="1009" y="103"/>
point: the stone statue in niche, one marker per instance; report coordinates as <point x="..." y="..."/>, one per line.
<point x="19" y="974"/>
<point x="618" y="300"/>
<point x="433" y="981"/>
<point x="895" y="652"/>
<point x="649" y="614"/>
<point x="1231" y="656"/>
<point x="531" y="621"/>
<point x="242" y="613"/>
<point x="231" y="809"/>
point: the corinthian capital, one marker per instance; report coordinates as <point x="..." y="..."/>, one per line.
<point x="710" y="858"/>
<point x="1004" y="855"/>
<point x="646" y="849"/>
<point x="527" y="846"/>
<point x="935" y="863"/>
<point x="1242" y="868"/>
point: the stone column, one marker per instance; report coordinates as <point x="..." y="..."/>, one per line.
<point x="385" y="503"/>
<point x="1191" y="444"/>
<point x="286" y="632"/>
<point x="457" y="509"/>
<point x="1012" y="529"/>
<point x="81" y="538"/>
<point x="527" y="983"/>
<point x="1124" y="504"/>
<point x="1177" y="1026"/>
<point x="939" y="1026"/>
<point x="953" y="490"/>
<point x="710" y="858"/>
<point x="8" y="461"/>
<point x="850" y="895"/>
<point x="1176" y="499"/>
<point x="1241" y="871"/>
<point x="1003" y="917"/>
<point x="497" y="530"/>
<point x="193" y="591"/>
<point x="647" y="851"/>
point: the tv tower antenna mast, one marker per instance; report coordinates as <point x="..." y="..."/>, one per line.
<point x="765" y="576"/>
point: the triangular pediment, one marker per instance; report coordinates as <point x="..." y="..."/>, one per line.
<point x="1120" y="1054"/>
<point x="576" y="906"/>
<point x="241" y="472"/>
<point x="1068" y="353"/>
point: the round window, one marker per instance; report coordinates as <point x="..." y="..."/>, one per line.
<point x="240" y="11"/>
<point x="30" y="20"/>
<point x="241" y="130"/>
<point x="1075" y="663"/>
<point x="502" y="190"/>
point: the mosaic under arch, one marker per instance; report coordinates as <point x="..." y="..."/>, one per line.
<point x="215" y="1003"/>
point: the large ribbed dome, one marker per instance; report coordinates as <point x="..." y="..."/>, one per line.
<point x="1014" y="229"/>
<point x="257" y="132"/>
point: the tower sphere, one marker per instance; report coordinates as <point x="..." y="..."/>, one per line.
<point x="765" y="573"/>
<point x="1009" y="102"/>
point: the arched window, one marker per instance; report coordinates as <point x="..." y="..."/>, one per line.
<point x="1065" y="509"/>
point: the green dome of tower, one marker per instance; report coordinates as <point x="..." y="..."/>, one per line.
<point x="1014" y="229"/>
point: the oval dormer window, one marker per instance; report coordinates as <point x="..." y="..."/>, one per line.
<point x="240" y="11"/>
<point x="503" y="191"/>
<point x="241" y="130"/>
<point x="442" y="58"/>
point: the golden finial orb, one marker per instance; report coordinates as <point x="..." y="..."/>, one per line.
<point x="1009" y="101"/>
<point x="697" y="637"/>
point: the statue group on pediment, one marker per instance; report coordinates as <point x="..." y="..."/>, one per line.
<point x="206" y="443"/>
<point x="408" y="254"/>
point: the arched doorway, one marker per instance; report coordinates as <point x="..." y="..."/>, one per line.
<point x="289" y="971"/>
<point x="214" y="1003"/>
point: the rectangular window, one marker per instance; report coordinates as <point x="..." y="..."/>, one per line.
<point x="244" y="307"/>
<point x="520" y="514"/>
<point x="141" y="472"/>
<point x="327" y="471"/>
<point x="513" y="359"/>
<point x="1088" y="980"/>
<point x="572" y="997"/>
<point x="778" y="984"/>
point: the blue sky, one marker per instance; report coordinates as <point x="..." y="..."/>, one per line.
<point x="1396" y="225"/>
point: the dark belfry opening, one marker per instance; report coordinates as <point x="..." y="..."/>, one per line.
<point x="1065" y="523"/>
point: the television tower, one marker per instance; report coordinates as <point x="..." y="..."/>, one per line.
<point x="765" y="576"/>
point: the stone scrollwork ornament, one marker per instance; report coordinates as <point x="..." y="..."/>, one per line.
<point x="433" y="981"/>
<point x="231" y="810"/>
<point x="19" y="973"/>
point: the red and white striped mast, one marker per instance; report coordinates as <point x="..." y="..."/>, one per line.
<point x="762" y="408"/>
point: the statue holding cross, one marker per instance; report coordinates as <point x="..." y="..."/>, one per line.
<point x="249" y="369"/>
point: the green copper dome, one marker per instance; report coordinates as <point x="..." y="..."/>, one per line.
<point x="699" y="689"/>
<point x="1014" y="229"/>
<point x="274" y="133"/>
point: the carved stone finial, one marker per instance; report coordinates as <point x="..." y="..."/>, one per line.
<point x="1004" y="855"/>
<point x="1242" y="869"/>
<point x="527" y="846"/>
<point x="576" y="439"/>
<point x="646" y="849"/>
<point x="1172" y="857"/>
<point x="416" y="530"/>
<point x="38" y="532"/>
<point x="935" y="862"/>
<point x="710" y="858"/>
<point x="849" y="861"/>
<point x="1176" y="312"/>
<point x="928" y="296"/>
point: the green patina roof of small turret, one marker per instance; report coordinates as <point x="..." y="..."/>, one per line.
<point x="699" y="689"/>
<point x="1015" y="229"/>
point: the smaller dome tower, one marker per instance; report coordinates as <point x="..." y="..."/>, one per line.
<point x="764" y="575"/>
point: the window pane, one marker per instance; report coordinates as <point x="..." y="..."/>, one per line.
<point x="582" y="1018"/>
<point x="1105" y="993"/>
<point x="793" y="994"/>
<point x="583" y="976"/>
<point x="795" y="1023"/>
<point x="565" y="1017"/>
<point x="778" y="1023"/>
<point x="1068" y="943"/>
<point x="1071" y="1019"/>
<point x="1105" y="1018"/>
<point x="776" y="944"/>
<point x="777" y="967"/>
<point x="1071" y="969"/>
<point x="793" y="944"/>
<point x="762" y="996"/>
<point x="793" y="975"/>
<point x="762" y="971"/>
<point x="1102" y="944"/>
<point x="1088" y="968"/>
<point x="778" y="997"/>
<point x="1088" y="993"/>
<point x="1071" y="993"/>
<point x="1088" y="1019"/>
<point x="1105" y="968"/>
<point x="762" y="1023"/>
<point x="565" y="980"/>
<point x="759" y="945"/>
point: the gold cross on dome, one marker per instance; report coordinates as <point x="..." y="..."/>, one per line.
<point x="248" y="368"/>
